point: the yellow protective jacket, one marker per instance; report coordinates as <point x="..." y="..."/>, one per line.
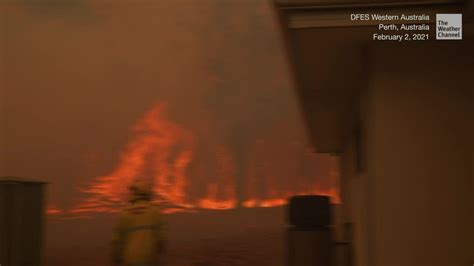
<point x="138" y="236"/>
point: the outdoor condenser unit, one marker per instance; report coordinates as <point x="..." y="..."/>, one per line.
<point x="21" y="221"/>
<point x="309" y="237"/>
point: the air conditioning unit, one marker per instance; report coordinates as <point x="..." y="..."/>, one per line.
<point x="309" y="236"/>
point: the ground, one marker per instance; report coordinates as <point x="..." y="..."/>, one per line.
<point x="209" y="238"/>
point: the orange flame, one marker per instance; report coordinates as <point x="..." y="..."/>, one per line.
<point x="53" y="210"/>
<point x="156" y="139"/>
<point x="163" y="151"/>
<point x="221" y="195"/>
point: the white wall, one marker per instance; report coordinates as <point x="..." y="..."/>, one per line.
<point x="354" y="199"/>
<point x="419" y="148"/>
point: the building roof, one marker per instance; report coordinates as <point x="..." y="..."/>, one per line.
<point x="330" y="59"/>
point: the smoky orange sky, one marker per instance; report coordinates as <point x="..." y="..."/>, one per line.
<point x="79" y="77"/>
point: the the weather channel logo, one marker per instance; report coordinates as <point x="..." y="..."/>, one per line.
<point x="448" y="26"/>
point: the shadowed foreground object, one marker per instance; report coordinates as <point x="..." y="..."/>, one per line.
<point x="21" y="221"/>
<point x="309" y="237"/>
<point x="309" y="211"/>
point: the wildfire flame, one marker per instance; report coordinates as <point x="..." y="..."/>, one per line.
<point x="53" y="210"/>
<point x="163" y="151"/>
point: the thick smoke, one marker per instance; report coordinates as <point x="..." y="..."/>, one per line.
<point x="100" y="66"/>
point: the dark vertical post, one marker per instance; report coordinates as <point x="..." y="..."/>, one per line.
<point x="21" y="221"/>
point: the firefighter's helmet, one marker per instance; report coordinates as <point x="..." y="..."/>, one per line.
<point x="141" y="189"/>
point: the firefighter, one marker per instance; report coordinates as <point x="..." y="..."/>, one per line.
<point x="139" y="234"/>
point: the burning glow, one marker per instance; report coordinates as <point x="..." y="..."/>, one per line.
<point x="165" y="153"/>
<point x="53" y="210"/>
<point x="161" y="146"/>
<point x="225" y="185"/>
